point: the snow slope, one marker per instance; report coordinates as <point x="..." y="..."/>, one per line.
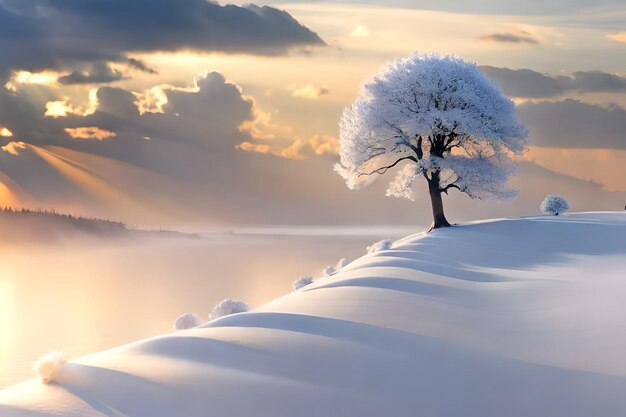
<point x="502" y="318"/>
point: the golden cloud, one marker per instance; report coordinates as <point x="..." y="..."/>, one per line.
<point x="310" y="91"/>
<point x="617" y="37"/>
<point x="13" y="148"/>
<point x="5" y="132"/>
<point x="298" y="149"/>
<point x="60" y="108"/>
<point x="152" y="100"/>
<point x="254" y="147"/>
<point x="89" y="132"/>
<point x="18" y="78"/>
<point x="510" y="38"/>
<point x="324" y="144"/>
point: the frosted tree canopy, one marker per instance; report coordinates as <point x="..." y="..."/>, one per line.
<point x="433" y="116"/>
<point x="554" y="204"/>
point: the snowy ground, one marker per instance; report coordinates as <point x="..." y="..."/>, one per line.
<point x="501" y="318"/>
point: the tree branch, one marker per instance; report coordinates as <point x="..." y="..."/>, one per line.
<point x="447" y="187"/>
<point x="382" y="170"/>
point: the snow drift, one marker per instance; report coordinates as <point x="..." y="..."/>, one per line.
<point x="515" y="318"/>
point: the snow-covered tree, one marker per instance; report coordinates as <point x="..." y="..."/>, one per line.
<point x="554" y="204"/>
<point x="380" y="245"/>
<point x="187" y="321"/>
<point x="302" y="282"/>
<point x="49" y="365"/>
<point x="227" y="307"/>
<point x="444" y="120"/>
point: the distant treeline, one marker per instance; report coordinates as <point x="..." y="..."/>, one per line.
<point x="42" y="225"/>
<point x="55" y="214"/>
<point x="45" y="225"/>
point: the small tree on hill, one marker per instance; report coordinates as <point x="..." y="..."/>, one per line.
<point x="554" y="204"/>
<point x="444" y="120"/>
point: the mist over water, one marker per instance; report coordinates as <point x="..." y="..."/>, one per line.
<point x="85" y="296"/>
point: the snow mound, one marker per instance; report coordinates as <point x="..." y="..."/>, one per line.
<point x="510" y="317"/>
<point x="302" y="282"/>
<point x="342" y="263"/>
<point x="187" y="321"/>
<point x="227" y="307"/>
<point x="380" y="245"/>
<point x="48" y="366"/>
<point x="329" y="270"/>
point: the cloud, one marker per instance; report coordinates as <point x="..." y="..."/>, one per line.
<point x="298" y="149"/>
<point x="191" y="172"/>
<point x="361" y="31"/>
<point x="59" y="108"/>
<point x="509" y="38"/>
<point x="617" y="37"/>
<point x="99" y="73"/>
<point x="255" y="147"/>
<point x="310" y="91"/>
<point x="532" y="84"/>
<point x="574" y="124"/>
<point x="324" y="144"/>
<point x="89" y="132"/>
<point x="5" y="133"/>
<point x="488" y="7"/>
<point x="13" y="148"/>
<point x="141" y="66"/>
<point x="38" y="34"/>
<point x="18" y="78"/>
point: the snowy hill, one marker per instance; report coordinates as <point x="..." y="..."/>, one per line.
<point x="516" y="318"/>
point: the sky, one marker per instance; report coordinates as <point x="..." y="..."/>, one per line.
<point x="194" y="114"/>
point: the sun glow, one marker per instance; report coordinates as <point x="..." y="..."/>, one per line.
<point x="59" y="108"/>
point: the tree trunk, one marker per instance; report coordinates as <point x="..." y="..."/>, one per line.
<point x="439" y="218"/>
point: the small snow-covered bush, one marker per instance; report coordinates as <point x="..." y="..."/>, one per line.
<point x="378" y="246"/>
<point x="227" y="307"/>
<point x="302" y="282"/>
<point x="554" y="204"/>
<point x="48" y="366"/>
<point x="329" y="270"/>
<point x="187" y="321"/>
<point x="342" y="263"/>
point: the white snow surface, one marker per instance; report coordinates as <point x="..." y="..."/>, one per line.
<point x="512" y="317"/>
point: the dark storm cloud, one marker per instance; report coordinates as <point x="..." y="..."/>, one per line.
<point x="37" y="34"/>
<point x="508" y="38"/>
<point x="533" y="84"/>
<point x="574" y="124"/>
<point x="99" y="73"/>
<point x="141" y="66"/>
